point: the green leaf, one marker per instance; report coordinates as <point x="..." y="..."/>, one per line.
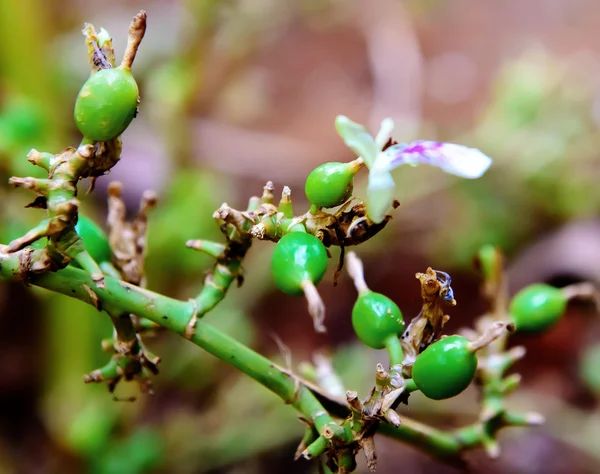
<point x="357" y="138"/>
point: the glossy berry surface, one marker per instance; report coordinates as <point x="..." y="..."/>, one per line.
<point x="106" y="104"/>
<point x="330" y="184"/>
<point x="298" y="257"/>
<point x="445" y="368"/>
<point x="375" y="318"/>
<point x="94" y="239"/>
<point x="537" y="307"/>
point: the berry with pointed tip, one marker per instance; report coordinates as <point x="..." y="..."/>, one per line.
<point x="331" y="184"/>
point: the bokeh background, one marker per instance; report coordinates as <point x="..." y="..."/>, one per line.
<point x="238" y="92"/>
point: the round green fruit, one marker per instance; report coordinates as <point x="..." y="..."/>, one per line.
<point x="94" y="239"/>
<point x="106" y="104"/>
<point x="537" y="307"/>
<point x="445" y="368"/>
<point x="330" y="184"/>
<point x="375" y="319"/>
<point x="298" y="257"/>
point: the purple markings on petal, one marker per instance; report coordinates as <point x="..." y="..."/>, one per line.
<point x="455" y="159"/>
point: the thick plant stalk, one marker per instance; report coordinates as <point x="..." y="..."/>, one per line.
<point x="57" y="194"/>
<point x="176" y="315"/>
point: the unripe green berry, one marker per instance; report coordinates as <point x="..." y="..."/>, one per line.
<point x="331" y="184"/>
<point x="445" y="368"/>
<point x="106" y="104"/>
<point x="94" y="239"/>
<point x="537" y="307"/>
<point x="376" y="318"/>
<point x="298" y="257"/>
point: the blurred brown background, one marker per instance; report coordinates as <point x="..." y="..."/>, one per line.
<point x="235" y="93"/>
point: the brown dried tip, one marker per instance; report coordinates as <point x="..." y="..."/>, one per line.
<point x="490" y="334"/>
<point x="368" y="446"/>
<point x="137" y="29"/>
<point x="115" y="188"/>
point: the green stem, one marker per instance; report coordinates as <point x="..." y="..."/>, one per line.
<point x="125" y="330"/>
<point x="86" y="262"/>
<point x="430" y="440"/>
<point x="176" y="315"/>
<point x="110" y="270"/>
<point x="469" y="436"/>
<point x="411" y="386"/>
<point x="394" y="348"/>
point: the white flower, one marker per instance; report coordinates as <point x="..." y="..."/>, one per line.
<point x="454" y="159"/>
<point x="380" y="193"/>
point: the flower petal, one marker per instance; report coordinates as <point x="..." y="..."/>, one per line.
<point x="380" y="194"/>
<point x="357" y="138"/>
<point x="454" y="159"/>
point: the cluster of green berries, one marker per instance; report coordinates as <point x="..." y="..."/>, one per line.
<point x="448" y="366"/>
<point x="443" y="370"/>
<point x="300" y="258"/>
<point x="107" y="104"/>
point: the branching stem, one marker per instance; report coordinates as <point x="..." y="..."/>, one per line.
<point x="175" y="315"/>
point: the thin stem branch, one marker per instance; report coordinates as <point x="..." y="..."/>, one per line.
<point x="394" y="348"/>
<point x="431" y="440"/>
